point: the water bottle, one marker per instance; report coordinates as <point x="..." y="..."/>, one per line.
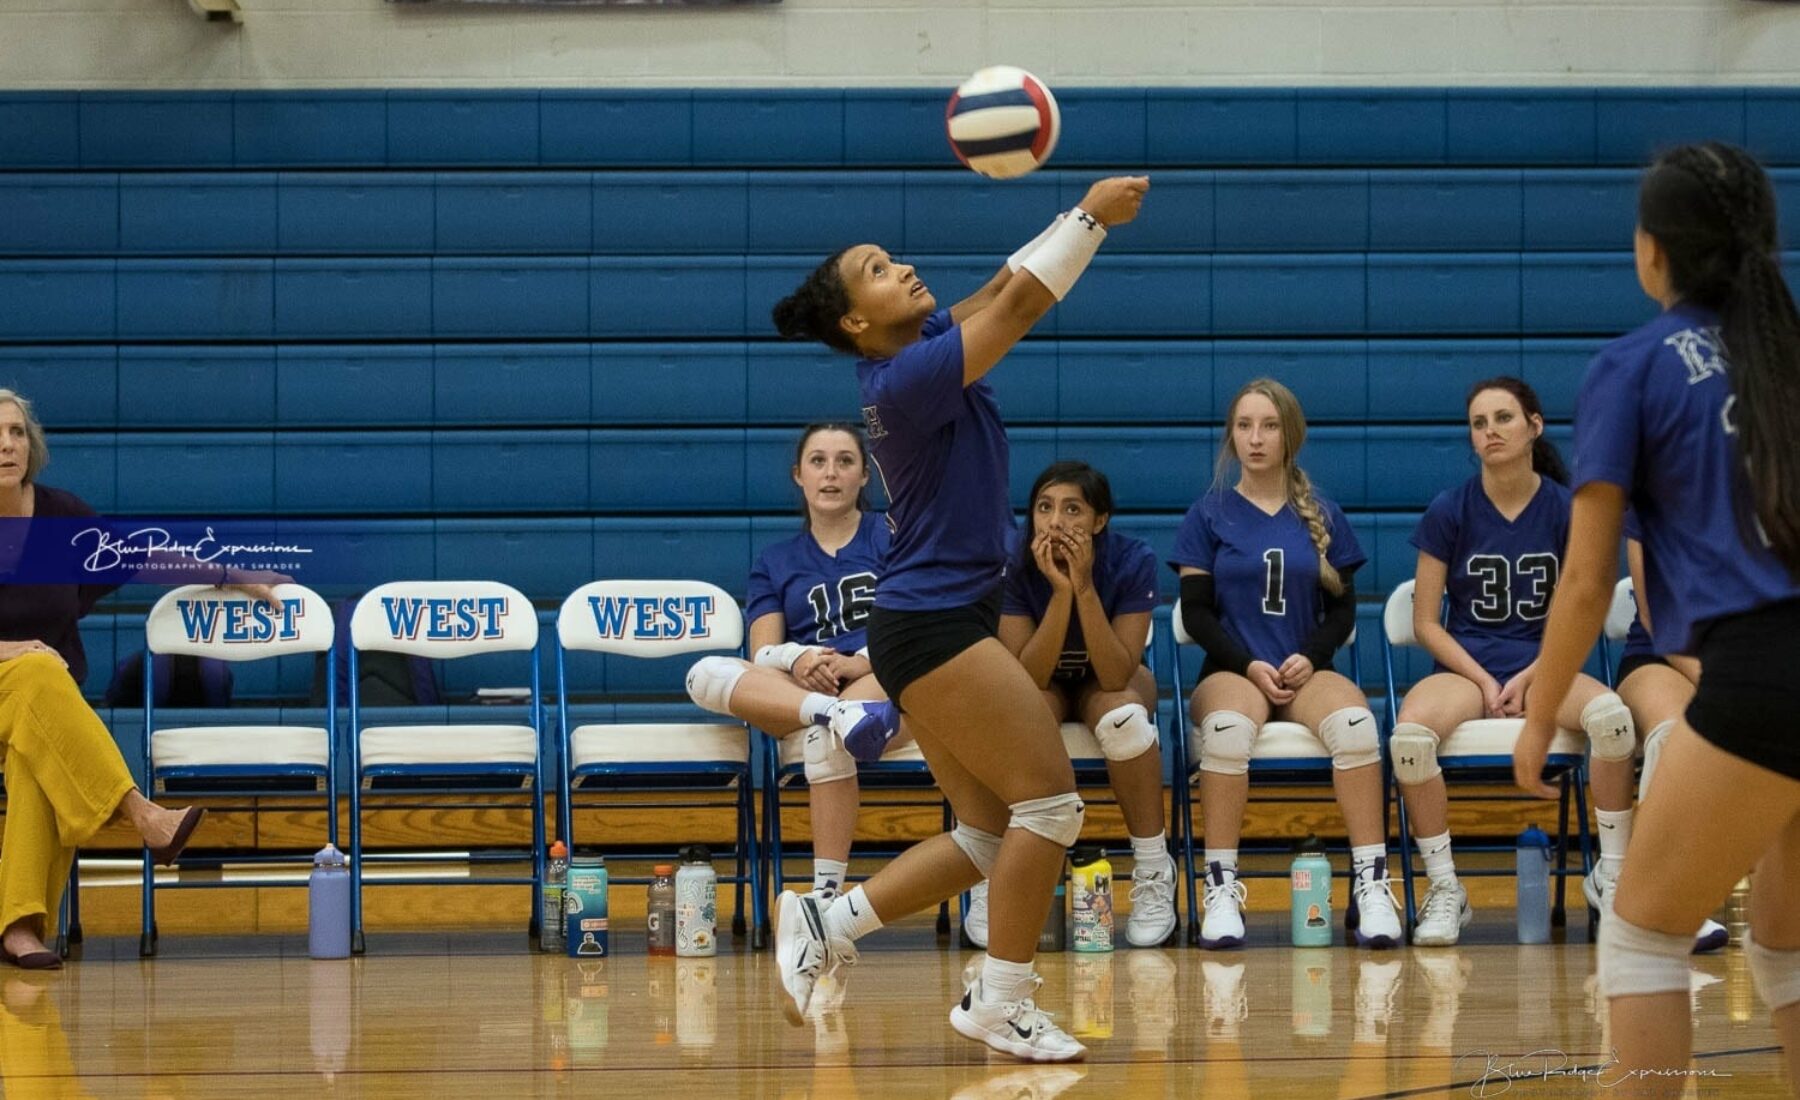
<point x="1309" y="884"/>
<point x="1092" y="897"/>
<point x="696" y="904"/>
<point x="1534" y="886"/>
<point x="551" y="929"/>
<point x="660" y="914"/>
<point x="328" y="906"/>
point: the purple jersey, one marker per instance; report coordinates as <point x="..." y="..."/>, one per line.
<point x="1499" y="574"/>
<point x="1655" y="417"/>
<point x="1124" y="579"/>
<point x="1637" y="639"/>
<point x="941" y="451"/>
<point x="1265" y="569"/>
<point x="825" y="600"/>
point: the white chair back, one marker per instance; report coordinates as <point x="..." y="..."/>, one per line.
<point x="1397" y="616"/>
<point x="1623" y="610"/>
<point x="444" y="619"/>
<point x="650" y="618"/>
<point x="202" y="621"/>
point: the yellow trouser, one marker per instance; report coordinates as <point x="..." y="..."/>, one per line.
<point x="64" y="779"/>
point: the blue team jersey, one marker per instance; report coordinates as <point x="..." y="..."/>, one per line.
<point x="825" y="600"/>
<point x="1499" y="574"/>
<point x="1124" y="579"/>
<point x="1265" y="569"/>
<point x="1654" y="417"/>
<point x="941" y="451"/>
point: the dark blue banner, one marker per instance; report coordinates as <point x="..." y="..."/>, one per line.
<point x="114" y="551"/>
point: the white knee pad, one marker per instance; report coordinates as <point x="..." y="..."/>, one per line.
<point x="1653" y="746"/>
<point x="982" y="848"/>
<point x="1607" y="721"/>
<point x="1413" y="749"/>
<point x="1225" y="740"/>
<point x="827" y="761"/>
<point x="1776" y="973"/>
<point x="1056" y="819"/>
<point x="711" y="680"/>
<point x="1637" y="961"/>
<point x="1351" y="736"/>
<point x="1125" y="733"/>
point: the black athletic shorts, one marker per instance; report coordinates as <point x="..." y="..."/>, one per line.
<point x="1750" y="687"/>
<point x="1631" y="662"/>
<point x="905" y="645"/>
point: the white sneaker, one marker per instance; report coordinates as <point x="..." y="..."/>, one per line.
<point x="1152" y="919"/>
<point x="1224" y="902"/>
<point x="1443" y="916"/>
<point x="1711" y="937"/>
<point x="1599" y="886"/>
<point x="1015" y="1026"/>
<point x="802" y="951"/>
<point x="1025" y="1083"/>
<point x="1226" y="1005"/>
<point x="974" y="922"/>
<point x="1372" y="909"/>
<point x="1377" y="984"/>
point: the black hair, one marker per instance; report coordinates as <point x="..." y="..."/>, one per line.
<point x="1712" y="210"/>
<point x="862" y="448"/>
<point x="1545" y="458"/>
<point x="813" y="310"/>
<point x="1095" y="489"/>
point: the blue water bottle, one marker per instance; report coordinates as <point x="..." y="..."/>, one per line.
<point x="1310" y="882"/>
<point x="1534" y="886"/>
<point x="328" y="906"/>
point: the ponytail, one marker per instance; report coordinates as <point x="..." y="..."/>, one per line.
<point x="1306" y="505"/>
<point x="813" y="310"/>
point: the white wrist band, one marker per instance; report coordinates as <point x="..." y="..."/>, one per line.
<point x="1066" y="252"/>
<point x="781" y="656"/>
<point x="1017" y="260"/>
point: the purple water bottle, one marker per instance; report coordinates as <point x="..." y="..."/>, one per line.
<point x="328" y="906"/>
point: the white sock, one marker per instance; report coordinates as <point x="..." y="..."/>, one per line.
<point x="1363" y="858"/>
<point x="814" y="709"/>
<point x="828" y="876"/>
<point x="1000" y="980"/>
<point x="1224" y="857"/>
<point x="1440" y="865"/>
<point x="851" y="916"/>
<point x="1151" y="852"/>
<point x="1615" y="832"/>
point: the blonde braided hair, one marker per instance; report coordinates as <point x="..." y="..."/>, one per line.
<point x="1300" y="494"/>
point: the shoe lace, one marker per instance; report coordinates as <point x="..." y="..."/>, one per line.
<point x="1153" y="894"/>
<point x="1023" y="1010"/>
<point x="1441" y="903"/>
<point x="842" y="952"/>
<point x="1217" y="893"/>
<point x="1373" y="889"/>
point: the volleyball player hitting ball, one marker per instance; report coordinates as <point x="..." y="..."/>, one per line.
<point x="1691" y="419"/>
<point x="986" y="732"/>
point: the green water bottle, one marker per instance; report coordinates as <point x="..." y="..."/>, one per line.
<point x="1310" y="882"/>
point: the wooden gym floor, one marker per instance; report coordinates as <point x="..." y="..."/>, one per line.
<point x="233" y="1007"/>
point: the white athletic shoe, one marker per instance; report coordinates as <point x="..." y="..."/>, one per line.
<point x="975" y="917"/>
<point x="1227" y="1007"/>
<point x="1443" y="916"/>
<point x="1711" y="937"/>
<point x="1600" y="885"/>
<point x="1015" y="1026"/>
<point x="1152" y="919"/>
<point x="802" y="951"/>
<point x="1377" y="984"/>
<point x="1224" y="902"/>
<point x="1372" y="910"/>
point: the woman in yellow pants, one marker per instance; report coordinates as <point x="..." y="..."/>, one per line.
<point x="64" y="775"/>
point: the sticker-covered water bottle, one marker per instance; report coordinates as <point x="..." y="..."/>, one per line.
<point x="696" y="904"/>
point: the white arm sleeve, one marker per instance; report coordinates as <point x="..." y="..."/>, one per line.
<point x="1017" y="260"/>
<point x="1066" y="252"/>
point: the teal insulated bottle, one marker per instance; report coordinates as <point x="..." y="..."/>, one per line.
<point x="1310" y="882"/>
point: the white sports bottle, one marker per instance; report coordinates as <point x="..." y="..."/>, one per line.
<point x="696" y="904"/>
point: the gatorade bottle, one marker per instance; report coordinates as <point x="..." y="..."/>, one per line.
<point x="551" y="929"/>
<point x="1533" y="856"/>
<point x="660" y="915"/>
<point x="1309" y="880"/>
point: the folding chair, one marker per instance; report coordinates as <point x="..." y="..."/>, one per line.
<point x="237" y="760"/>
<point x="447" y="620"/>
<point x="652" y="620"/>
<point x="1482" y="748"/>
<point x="1284" y="747"/>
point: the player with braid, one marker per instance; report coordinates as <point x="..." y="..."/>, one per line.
<point x="1267" y="588"/>
<point x="1690" y="420"/>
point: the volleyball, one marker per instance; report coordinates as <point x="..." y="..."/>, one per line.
<point x="1003" y="122"/>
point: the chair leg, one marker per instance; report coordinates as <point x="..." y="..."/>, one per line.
<point x="72" y="935"/>
<point x="746" y="842"/>
<point x="1559" y="913"/>
<point x="147" y="928"/>
<point x="1406" y="857"/>
<point x="1185" y="817"/>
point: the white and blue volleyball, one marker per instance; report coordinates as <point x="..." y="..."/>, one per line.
<point x="1003" y="122"/>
